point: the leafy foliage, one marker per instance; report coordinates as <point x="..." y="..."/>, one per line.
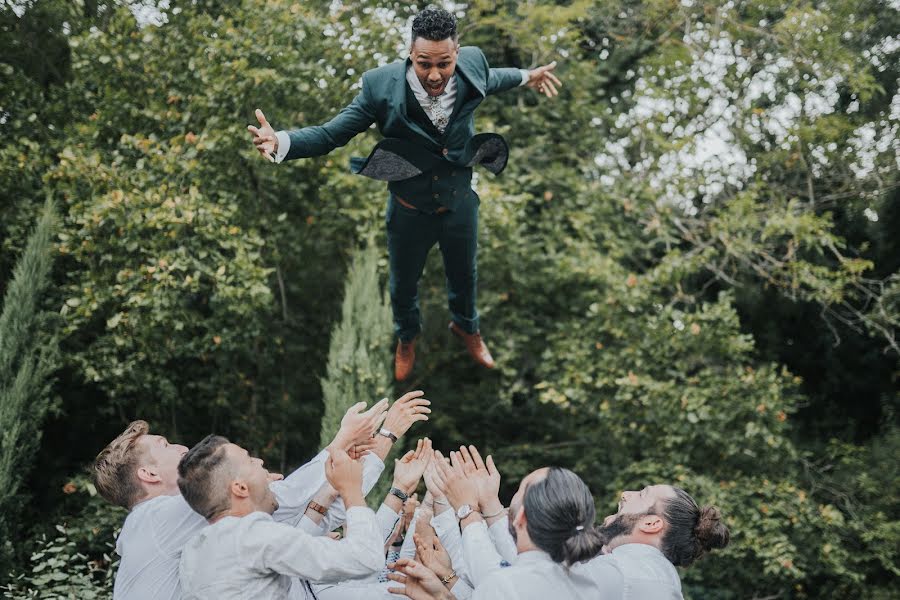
<point x="688" y="272"/>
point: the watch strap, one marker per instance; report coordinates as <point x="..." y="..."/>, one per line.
<point x="322" y="510"/>
<point x="399" y="493"/>
<point x="388" y="434"/>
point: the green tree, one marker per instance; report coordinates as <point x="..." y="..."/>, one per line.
<point x="28" y="357"/>
<point x="359" y="366"/>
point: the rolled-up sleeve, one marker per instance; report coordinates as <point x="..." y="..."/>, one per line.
<point x="294" y="492"/>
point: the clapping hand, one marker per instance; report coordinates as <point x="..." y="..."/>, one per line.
<point x="264" y="137"/>
<point x="543" y="80"/>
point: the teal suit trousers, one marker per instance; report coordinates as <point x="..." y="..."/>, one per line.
<point x="411" y="234"/>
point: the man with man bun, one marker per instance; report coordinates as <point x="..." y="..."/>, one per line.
<point x="655" y="530"/>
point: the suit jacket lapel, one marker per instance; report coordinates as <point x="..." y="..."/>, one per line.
<point x="399" y="102"/>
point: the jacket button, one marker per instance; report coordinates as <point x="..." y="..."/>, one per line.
<point x="436" y="196"/>
<point x="453" y="192"/>
<point x="435" y="177"/>
<point x="445" y="152"/>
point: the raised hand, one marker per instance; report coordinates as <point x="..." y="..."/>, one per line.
<point x="345" y="475"/>
<point x="543" y="80"/>
<point x="357" y="426"/>
<point x="432" y="554"/>
<point x="408" y="409"/>
<point x="419" y="582"/>
<point x="409" y="469"/>
<point x="456" y="484"/>
<point x="486" y="478"/>
<point x="264" y="137"/>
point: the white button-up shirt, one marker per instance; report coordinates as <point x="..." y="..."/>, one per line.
<point x="645" y="572"/>
<point x="156" y="530"/>
<point x="254" y="557"/>
<point x="629" y="572"/>
<point x="534" y="576"/>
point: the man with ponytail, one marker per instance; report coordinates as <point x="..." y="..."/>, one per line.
<point x="655" y="530"/>
<point x="551" y="519"/>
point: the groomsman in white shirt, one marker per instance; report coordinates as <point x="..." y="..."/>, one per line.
<point x="244" y="553"/>
<point x="139" y="471"/>
<point x="655" y="530"/>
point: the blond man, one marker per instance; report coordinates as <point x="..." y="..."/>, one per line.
<point x="139" y="471"/>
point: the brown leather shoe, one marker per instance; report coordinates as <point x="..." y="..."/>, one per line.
<point x="404" y="359"/>
<point x="475" y="345"/>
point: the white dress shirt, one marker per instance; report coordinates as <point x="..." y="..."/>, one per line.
<point x="629" y="572"/>
<point x="447" y="101"/>
<point x="534" y="576"/>
<point x="646" y="574"/>
<point x="254" y="557"/>
<point x="156" y="530"/>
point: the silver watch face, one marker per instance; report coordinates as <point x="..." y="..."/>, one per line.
<point x="463" y="511"/>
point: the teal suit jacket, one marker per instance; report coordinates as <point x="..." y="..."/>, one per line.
<point x="425" y="170"/>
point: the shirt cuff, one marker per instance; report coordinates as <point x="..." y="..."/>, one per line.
<point x="443" y="522"/>
<point x="524" y="81"/>
<point x="284" y="145"/>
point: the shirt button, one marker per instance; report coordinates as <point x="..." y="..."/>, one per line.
<point x="435" y="177"/>
<point x="445" y="152"/>
<point x="436" y="196"/>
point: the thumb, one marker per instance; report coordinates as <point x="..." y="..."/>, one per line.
<point x="262" y="118"/>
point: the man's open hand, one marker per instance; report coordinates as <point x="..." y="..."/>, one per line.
<point x="543" y="80"/>
<point x="264" y="137"/>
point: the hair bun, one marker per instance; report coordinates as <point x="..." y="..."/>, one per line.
<point x="711" y="532"/>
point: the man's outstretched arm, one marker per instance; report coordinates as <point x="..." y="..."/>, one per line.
<point x="316" y="140"/>
<point x="540" y="79"/>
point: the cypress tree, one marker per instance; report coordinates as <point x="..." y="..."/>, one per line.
<point x="359" y="367"/>
<point x="28" y="355"/>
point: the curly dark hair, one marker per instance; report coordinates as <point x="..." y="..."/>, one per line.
<point x="435" y="24"/>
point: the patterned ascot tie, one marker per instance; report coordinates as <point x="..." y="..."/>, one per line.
<point x="438" y="115"/>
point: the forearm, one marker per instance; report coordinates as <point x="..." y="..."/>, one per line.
<point x="324" y="497"/>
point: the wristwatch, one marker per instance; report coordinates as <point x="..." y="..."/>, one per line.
<point x="399" y="493"/>
<point x="463" y="511"/>
<point x="387" y="434"/>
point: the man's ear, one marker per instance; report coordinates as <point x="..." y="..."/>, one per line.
<point x="240" y="489"/>
<point x="519" y="519"/>
<point x="651" y="524"/>
<point x="148" y="475"/>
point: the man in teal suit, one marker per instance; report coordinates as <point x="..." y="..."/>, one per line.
<point x="424" y="106"/>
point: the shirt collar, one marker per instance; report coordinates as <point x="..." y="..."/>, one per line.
<point x="638" y="550"/>
<point x="533" y="556"/>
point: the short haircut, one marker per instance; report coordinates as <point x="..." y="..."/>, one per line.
<point x="691" y="531"/>
<point x="202" y="474"/>
<point x="435" y="24"/>
<point x="115" y="468"/>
